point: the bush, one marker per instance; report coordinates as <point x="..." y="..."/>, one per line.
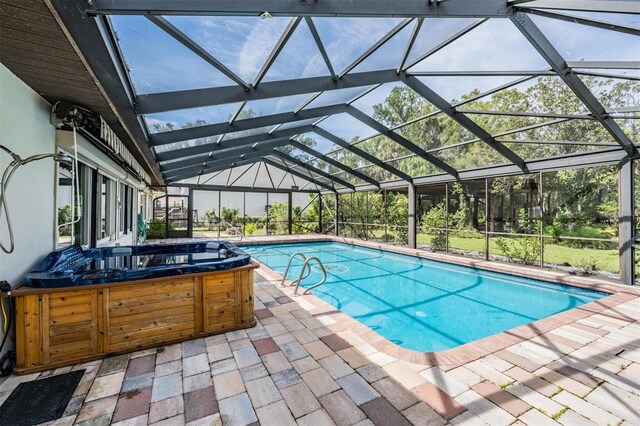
<point x="583" y="231"/>
<point x="435" y="218"/>
<point x="401" y="235"/>
<point x="250" y="228"/>
<point x="157" y="228"/>
<point x="588" y="266"/>
<point x="524" y="250"/>
<point x="521" y="249"/>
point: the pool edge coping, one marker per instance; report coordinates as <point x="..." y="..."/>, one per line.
<point x="468" y="352"/>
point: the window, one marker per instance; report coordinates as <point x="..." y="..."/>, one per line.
<point x="81" y="198"/>
<point x="130" y="209"/>
<point x="105" y="217"/>
<point x="83" y="227"/>
<point x="123" y="209"/>
<point x="104" y="208"/>
<point x="64" y="201"/>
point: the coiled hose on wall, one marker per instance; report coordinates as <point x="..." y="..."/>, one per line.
<point x="4" y="183"/>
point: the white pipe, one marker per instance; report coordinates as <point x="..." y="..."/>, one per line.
<point x="75" y="192"/>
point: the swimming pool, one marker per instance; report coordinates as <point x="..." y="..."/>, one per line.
<point x="421" y="304"/>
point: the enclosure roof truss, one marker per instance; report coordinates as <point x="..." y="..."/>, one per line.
<point x="244" y="141"/>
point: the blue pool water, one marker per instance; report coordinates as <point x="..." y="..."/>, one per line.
<point x="422" y="304"/>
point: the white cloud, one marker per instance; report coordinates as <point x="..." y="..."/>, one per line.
<point x="258" y="45"/>
<point x="347" y="38"/>
<point x="494" y="45"/>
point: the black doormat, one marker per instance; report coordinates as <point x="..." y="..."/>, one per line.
<point x="40" y="400"/>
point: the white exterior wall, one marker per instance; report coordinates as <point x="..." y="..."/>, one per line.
<point x="25" y="129"/>
<point x="94" y="158"/>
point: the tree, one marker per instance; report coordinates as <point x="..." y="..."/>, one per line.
<point x="229" y="215"/>
<point x="398" y="215"/>
<point x="279" y="217"/>
<point x="210" y="217"/>
<point x="433" y="223"/>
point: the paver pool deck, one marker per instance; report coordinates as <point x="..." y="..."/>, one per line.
<point x="307" y="363"/>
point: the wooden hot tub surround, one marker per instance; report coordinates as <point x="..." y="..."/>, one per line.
<point x="62" y="326"/>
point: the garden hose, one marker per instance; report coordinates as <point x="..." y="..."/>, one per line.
<point x="5" y="320"/>
<point x="8" y="361"/>
<point x="16" y="163"/>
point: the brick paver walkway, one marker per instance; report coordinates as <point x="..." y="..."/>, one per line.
<point x="306" y="365"/>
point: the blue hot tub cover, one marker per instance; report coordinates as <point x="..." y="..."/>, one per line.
<point x="75" y="266"/>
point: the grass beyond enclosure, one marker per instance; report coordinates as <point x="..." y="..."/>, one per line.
<point x="605" y="260"/>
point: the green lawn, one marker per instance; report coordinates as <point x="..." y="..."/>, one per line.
<point x="214" y="231"/>
<point x="606" y="260"/>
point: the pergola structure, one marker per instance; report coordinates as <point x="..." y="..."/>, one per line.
<point x="206" y="154"/>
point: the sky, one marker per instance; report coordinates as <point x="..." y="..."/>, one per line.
<point x="158" y="63"/>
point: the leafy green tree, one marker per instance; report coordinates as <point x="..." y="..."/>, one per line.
<point x="229" y="215"/>
<point x="433" y="223"/>
<point x="278" y="217"/>
<point x="210" y="217"/>
<point x="398" y="215"/>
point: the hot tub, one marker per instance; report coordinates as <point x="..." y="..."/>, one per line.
<point x="73" y="265"/>
<point x="83" y="304"/>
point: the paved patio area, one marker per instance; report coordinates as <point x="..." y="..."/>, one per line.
<point x="308" y="365"/>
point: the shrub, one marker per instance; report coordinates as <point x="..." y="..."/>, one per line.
<point x="250" y="228"/>
<point x="435" y="218"/>
<point x="521" y="249"/>
<point x="583" y="231"/>
<point x="588" y="266"/>
<point x="157" y="228"/>
<point x="401" y="235"/>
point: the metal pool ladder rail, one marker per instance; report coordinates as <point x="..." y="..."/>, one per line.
<point x="304" y="272"/>
<point x="286" y="272"/>
<point x="235" y="229"/>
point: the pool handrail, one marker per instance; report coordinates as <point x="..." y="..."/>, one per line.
<point x="306" y="265"/>
<point x="286" y="272"/>
<point x="235" y="228"/>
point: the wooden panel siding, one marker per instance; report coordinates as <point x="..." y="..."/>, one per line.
<point x="57" y="327"/>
